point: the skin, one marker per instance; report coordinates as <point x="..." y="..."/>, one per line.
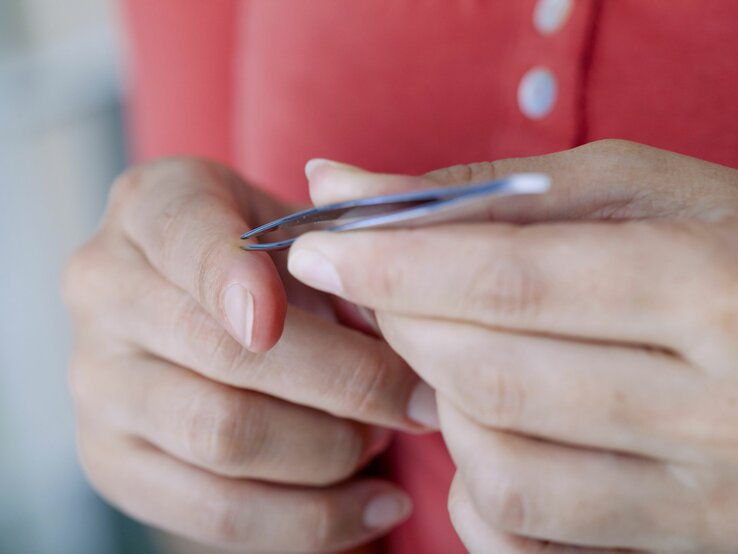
<point x="582" y="344"/>
<point x="196" y="418"/>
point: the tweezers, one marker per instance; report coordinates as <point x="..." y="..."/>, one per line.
<point x="464" y="203"/>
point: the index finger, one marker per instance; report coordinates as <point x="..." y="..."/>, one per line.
<point x="629" y="282"/>
<point x="184" y="217"/>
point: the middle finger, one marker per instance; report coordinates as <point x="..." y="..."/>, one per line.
<point x="228" y="431"/>
<point x="595" y="395"/>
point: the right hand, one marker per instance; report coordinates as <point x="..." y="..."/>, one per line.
<point x="193" y="414"/>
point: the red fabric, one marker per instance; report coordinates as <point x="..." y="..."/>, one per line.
<point x="409" y="86"/>
<point x="181" y="55"/>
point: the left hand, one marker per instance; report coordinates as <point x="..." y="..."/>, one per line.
<point x="586" y="364"/>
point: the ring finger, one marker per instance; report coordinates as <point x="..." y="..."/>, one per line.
<point x="551" y="492"/>
<point x="248" y="515"/>
<point x="480" y="538"/>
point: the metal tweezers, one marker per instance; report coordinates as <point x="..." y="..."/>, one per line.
<point x="413" y="209"/>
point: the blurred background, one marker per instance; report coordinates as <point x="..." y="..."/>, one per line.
<point x="61" y="144"/>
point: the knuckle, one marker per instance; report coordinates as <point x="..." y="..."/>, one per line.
<point x="711" y="295"/>
<point x="605" y="154"/>
<point x="466" y="173"/>
<point x="720" y="275"/>
<point x="346" y="448"/>
<point x="508" y="287"/>
<point x="225" y="431"/>
<point x="507" y="504"/>
<point x="82" y="276"/>
<point x="466" y="520"/>
<point x="621" y="411"/>
<point x="726" y="324"/>
<point x="128" y="186"/>
<point x="388" y="279"/>
<point x="365" y="390"/>
<point x="482" y="171"/>
<point x="221" y="518"/>
<point x="323" y="523"/>
<point x="502" y="397"/>
<point x="613" y="146"/>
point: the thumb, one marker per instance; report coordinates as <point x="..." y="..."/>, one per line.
<point x="608" y="179"/>
<point x="332" y="182"/>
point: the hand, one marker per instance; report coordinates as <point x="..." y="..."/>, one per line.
<point x="184" y="421"/>
<point x="585" y="364"/>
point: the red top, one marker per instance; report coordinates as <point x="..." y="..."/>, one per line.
<point x="409" y="86"/>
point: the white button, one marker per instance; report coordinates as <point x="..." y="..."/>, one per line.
<point x="537" y="92"/>
<point x="550" y="15"/>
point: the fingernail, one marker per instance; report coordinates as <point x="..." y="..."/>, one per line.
<point x="239" y="308"/>
<point x="316" y="163"/>
<point x="386" y="510"/>
<point x="316" y="271"/>
<point x="422" y="408"/>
